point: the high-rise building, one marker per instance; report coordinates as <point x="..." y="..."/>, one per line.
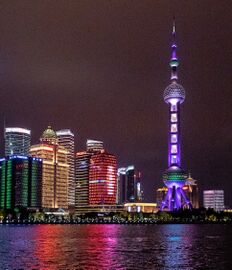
<point x="17" y="141"/>
<point x="20" y="182"/>
<point x="191" y="191"/>
<point x="102" y="179"/>
<point x="121" y="186"/>
<point x="132" y="179"/>
<point x="55" y="170"/>
<point x="66" y="139"/>
<point x="174" y="177"/>
<point x="129" y="185"/>
<point x="82" y="179"/>
<point x="214" y="199"/>
<point x="82" y="168"/>
<point x="94" y="146"/>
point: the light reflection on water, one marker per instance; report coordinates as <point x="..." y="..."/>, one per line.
<point x="115" y="247"/>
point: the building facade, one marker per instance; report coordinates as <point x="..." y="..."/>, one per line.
<point x="133" y="185"/>
<point x="55" y="170"/>
<point x="141" y="207"/>
<point x="82" y="179"/>
<point x="129" y="185"/>
<point x="102" y="179"/>
<point x="17" y="141"/>
<point x="93" y="146"/>
<point x="214" y="199"/>
<point x="121" y="186"/>
<point x="82" y="172"/>
<point x="66" y="139"/>
<point x="20" y="182"/>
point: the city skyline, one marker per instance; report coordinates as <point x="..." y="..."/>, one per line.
<point x="106" y="82"/>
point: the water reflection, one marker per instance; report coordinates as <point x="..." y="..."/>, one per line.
<point x="178" y="246"/>
<point x="86" y="247"/>
<point x="115" y="247"/>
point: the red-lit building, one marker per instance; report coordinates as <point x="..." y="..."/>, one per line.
<point x="102" y="179"/>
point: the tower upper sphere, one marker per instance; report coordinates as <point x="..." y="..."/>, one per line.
<point x="174" y="92"/>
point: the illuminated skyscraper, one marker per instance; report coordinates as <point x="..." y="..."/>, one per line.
<point x="82" y="179"/>
<point x="82" y="167"/>
<point x="66" y="139"/>
<point x="133" y="185"/>
<point x="121" y="186"/>
<point x="55" y="170"/>
<point x="214" y="199"/>
<point x="17" y="141"/>
<point x="129" y="185"/>
<point x="94" y="146"/>
<point x="20" y="182"/>
<point x="174" y="177"/>
<point x="102" y="179"/>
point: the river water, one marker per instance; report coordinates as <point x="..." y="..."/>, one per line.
<point x="89" y="247"/>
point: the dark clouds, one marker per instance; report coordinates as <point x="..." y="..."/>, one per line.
<point x="100" y="68"/>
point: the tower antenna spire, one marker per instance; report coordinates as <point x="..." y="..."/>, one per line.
<point x="174" y="60"/>
<point x="174" y="25"/>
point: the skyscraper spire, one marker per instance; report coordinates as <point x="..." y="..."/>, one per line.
<point x="174" y="61"/>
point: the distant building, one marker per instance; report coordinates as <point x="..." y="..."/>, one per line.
<point x="141" y="207"/>
<point x="121" y="186"/>
<point x="66" y="139"/>
<point x="102" y="179"/>
<point x="94" y="146"/>
<point x="191" y="190"/>
<point x="96" y="180"/>
<point x="17" y="141"/>
<point x="55" y="170"/>
<point x="82" y="179"/>
<point x="129" y="185"/>
<point x="82" y="169"/>
<point x="20" y="182"/>
<point x="133" y="185"/>
<point x="214" y="199"/>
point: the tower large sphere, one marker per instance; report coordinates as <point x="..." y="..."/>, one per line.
<point x="174" y="91"/>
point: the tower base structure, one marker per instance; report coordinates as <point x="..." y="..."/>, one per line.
<point x="175" y="198"/>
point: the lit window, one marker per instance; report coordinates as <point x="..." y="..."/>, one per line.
<point x="174" y="149"/>
<point x="174" y="138"/>
<point x="173" y="117"/>
<point x="174" y="128"/>
<point x="174" y="159"/>
<point x="173" y="108"/>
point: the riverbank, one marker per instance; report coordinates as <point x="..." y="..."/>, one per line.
<point x="132" y="222"/>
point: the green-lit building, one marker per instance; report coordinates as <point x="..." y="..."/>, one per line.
<point x="20" y="182"/>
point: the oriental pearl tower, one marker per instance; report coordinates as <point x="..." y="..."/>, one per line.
<point x="174" y="177"/>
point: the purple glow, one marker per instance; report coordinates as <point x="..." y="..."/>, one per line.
<point x="174" y="177"/>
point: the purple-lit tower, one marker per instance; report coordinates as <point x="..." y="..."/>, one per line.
<point x="174" y="177"/>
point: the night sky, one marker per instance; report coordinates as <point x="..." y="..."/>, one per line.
<point x="100" y="69"/>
